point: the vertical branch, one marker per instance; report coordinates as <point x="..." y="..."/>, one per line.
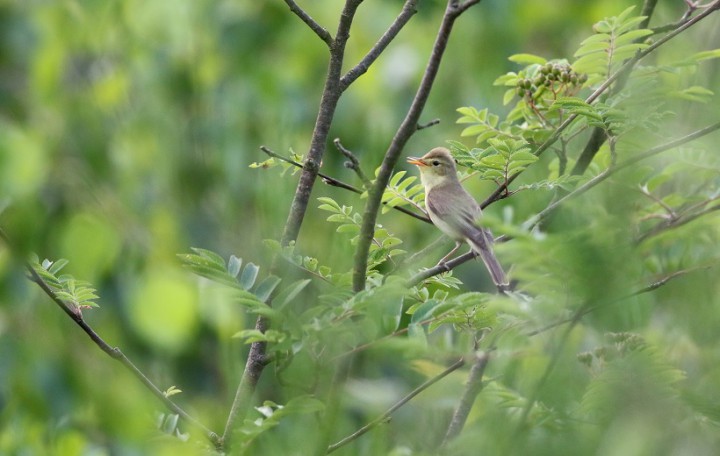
<point x="257" y="359"/>
<point x="472" y="389"/>
<point x="335" y="85"/>
<point x="328" y="103"/>
<point x="408" y="126"/>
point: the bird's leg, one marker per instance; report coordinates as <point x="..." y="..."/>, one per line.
<point x="444" y="259"/>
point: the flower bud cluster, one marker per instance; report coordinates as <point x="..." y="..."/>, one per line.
<point x="549" y="75"/>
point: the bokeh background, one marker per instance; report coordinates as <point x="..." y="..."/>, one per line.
<point x="127" y="129"/>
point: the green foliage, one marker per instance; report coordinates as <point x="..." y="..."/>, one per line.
<point x="132" y="136"/>
<point x="307" y="263"/>
<point x="501" y="160"/>
<point x="383" y="247"/>
<point x="210" y="265"/>
<point x="466" y="312"/>
<point x="271" y="415"/>
<point x="402" y="191"/>
<point x="77" y="294"/>
<point x="615" y="40"/>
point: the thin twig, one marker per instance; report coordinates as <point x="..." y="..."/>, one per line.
<point x="472" y="388"/>
<point x="385" y="416"/>
<point x="540" y="216"/>
<point x="326" y="179"/>
<point x="114" y="352"/>
<point x="361" y="68"/>
<point x="314" y="26"/>
<point x="353" y="163"/>
<point x="428" y="124"/>
<point x="407" y="128"/>
<point x="340" y="184"/>
<point x="654" y="285"/>
<point x="681" y="220"/>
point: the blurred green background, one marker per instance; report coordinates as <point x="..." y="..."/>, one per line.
<point x="127" y="129"/>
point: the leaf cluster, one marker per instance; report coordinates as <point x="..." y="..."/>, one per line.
<point x="77" y="294"/>
<point x="383" y="247"/>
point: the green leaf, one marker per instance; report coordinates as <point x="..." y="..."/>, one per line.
<point x="523" y="156"/>
<point x="304" y="404"/>
<point x="329" y="205"/>
<point x="266" y="287"/>
<point x="209" y="255"/>
<point x="254" y="335"/>
<point x="508" y="79"/>
<point x="249" y="274"/>
<point x="527" y="59"/>
<point x="706" y="55"/>
<point x="55" y="267"/>
<point x="234" y="265"/>
<point x="349" y="228"/>
<point x="337" y="218"/>
<point x="396" y="178"/>
<point x="632" y="36"/>
<point x="287" y="295"/>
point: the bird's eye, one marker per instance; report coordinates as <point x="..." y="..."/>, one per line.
<point x="436" y="163"/>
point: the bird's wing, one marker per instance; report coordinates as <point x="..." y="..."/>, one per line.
<point x="454" y="206"/>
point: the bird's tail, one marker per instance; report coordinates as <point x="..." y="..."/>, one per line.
<point x="481" y="242"/>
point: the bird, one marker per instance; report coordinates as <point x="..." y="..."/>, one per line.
<point x="455" y="212"/>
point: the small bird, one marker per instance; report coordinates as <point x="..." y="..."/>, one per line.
<point x="454" y="211"/>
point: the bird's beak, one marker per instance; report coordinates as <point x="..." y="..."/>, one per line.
<point x="416" y="161"/>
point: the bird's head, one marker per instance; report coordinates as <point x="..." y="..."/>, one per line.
<point x="436" y="167"/>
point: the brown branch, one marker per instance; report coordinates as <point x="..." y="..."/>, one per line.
<point x="353" y="163"/>
<point x="361" y="68"/>
<point x="386" y="415"/>
<point x="314" y="26"/>
<point x="328" y="103"/>
<point x="501" y="191"/>
<point x="340" y="184"/>
<point x="254" y="366"/>
<point x="407" y="128"/>
<point x="472" y="388"/>
<point x="332" y="90"/>
<point x="325" y="178"/>
<point x="446" y="266"/>
<point x="432" y="123"/>
<point x="114" y="352"/>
